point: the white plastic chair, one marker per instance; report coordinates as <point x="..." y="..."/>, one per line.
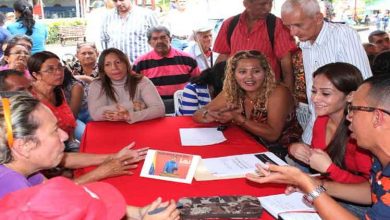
<point x="177" y="100"/>
<point x="303" y="114"/>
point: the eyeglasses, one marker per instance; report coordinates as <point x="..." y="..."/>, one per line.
<point x="351" y="108"/>
<point x="18" y="53"/>
<point x="52" y="69"/>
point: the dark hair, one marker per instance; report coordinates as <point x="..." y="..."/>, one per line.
<point x="381" y="63"/>
<point x="375" y="33"/>
<point x="68" y="77"/>
<point x="212" y="76"/>
<point x="379" y="91"/>
<point x="132" y="78"/>
<point x="346" y="78"/>
<point x="4" y="74"/>
<point x="26" y="17"/>
<point x="2" y="19"/>
<point x="157" y="29"/>
<point x="34" y="65"/>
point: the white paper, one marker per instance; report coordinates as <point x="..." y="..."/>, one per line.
<point x="280" y="203"/>
<point x="238" y="164"/>
<point x="200" y="136"/>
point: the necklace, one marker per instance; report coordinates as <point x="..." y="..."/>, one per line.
<point x="251" y="101"/>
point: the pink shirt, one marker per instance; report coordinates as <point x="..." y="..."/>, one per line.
<point x="26" y="72"/>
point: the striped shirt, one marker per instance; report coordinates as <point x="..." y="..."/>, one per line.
<point x="335" y="43"/>
<point x="128" y="34"/>
<point x="256" y="39"/>
<point x="169" y="73"/>
<point x="194" y="97"/>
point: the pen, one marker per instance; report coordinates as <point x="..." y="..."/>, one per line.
<point x="158" y="210"/>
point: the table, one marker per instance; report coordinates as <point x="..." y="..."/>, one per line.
<point x="163" y="134"/>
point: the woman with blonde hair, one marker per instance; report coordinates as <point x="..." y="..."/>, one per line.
<point x="252" y="99"/>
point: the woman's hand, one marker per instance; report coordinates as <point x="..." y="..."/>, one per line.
<point x="120" y="114"/>
<point x="137" y="155"/>
<point x="320" y="160"/>
<point x="138" y="106"/>
<point x="116" y="167"/>
<point x="300" y="151"/>
<point x="228" y="113"/>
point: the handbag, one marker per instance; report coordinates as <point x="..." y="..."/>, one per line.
<point x="220" y="207"/>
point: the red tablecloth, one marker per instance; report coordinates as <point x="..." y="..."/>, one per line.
<point x="163" y="134"/>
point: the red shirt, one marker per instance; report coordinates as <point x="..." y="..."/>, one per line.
<point x="257" y="39"/>
<point x="355" y="158"/>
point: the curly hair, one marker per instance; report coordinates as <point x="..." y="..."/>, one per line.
<point x="235" y="94"/>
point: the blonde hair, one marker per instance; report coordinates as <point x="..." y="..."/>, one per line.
<point x="234" y="93"/>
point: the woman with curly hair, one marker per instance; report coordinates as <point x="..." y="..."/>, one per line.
<point x="252" y="99"/>
<point x="26" y="25"/>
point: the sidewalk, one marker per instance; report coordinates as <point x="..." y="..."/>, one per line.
<point x="61" y="50"/>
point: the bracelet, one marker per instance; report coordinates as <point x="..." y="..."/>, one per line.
<point x="310" y="197"/>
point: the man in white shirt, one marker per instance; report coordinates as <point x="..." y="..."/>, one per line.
<point x="200" y="48"/>
<point x="125" y="28"/>
<point x="321" y="43"/>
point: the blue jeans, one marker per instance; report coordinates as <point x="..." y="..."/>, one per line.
<point x="79" y="130"/>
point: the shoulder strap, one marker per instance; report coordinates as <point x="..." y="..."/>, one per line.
<point x="233" y="23"/>
<point x="271" y="23"/>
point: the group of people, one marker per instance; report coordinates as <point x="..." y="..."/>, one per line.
<point x="249" y="84"/>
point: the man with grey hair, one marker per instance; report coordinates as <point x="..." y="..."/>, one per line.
<point x="125" y="28"/>
<point x="168" y="68"/>
<point x="321" y="43"/>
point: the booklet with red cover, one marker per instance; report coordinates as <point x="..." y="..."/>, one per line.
<point x="170" y="166"/>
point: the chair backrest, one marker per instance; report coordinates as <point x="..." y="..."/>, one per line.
<point x="177" y="100"/>
<point x="303" y="114"/>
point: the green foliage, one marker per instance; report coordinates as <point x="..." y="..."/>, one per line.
<point x="55" y="24"/>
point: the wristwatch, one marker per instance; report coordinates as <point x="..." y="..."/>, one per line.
<point x="309" y="198"/>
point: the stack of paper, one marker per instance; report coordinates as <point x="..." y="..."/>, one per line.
<point x="233" y="166"/>
<point x="288" y="207"/>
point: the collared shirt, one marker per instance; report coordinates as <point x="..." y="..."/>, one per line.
<point x="169" y="73"/>
<point x="380" y="186"/>
<point x="335" y="43"/>
<point x="256" y="39"/>
<point x="194" y="50"/>
<point x="128" y="34"/>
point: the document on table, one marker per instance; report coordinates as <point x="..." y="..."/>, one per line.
<point x="235" y="166"/>
<point x="200" y="136"/>
<point x="288" y="207"/>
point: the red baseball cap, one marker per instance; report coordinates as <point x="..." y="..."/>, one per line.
<point x="62" y="199"/>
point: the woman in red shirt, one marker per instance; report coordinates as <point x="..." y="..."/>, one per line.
<point x="48" y="73"/>
<point x="332" y="150"/>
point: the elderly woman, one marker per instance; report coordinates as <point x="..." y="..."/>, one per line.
<point x="26" y="25"/>
<point x="85" y="68"/>
<point x="251" y="99"/>
<point x="15" y="57"/>
<point x="120" y="95"/>
<point x="29" y="130"/>
<point x="48" y="73"/>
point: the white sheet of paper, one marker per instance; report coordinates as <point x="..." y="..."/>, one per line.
<point x="200" y="136"/>
<point x="276" y="204"/>
<point x="237" y="164"/>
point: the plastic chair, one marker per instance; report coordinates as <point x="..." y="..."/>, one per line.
<point x="177" y="100"/>
<point x="303" y="114"/>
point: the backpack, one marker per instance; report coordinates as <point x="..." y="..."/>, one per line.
<point x="270" y="20"/>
